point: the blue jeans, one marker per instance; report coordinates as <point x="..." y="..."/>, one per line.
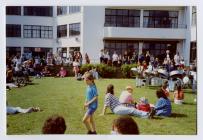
<point x="123" y="110"/>
<point x="14" y="110"/>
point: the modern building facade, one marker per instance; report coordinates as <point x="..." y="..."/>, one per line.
<point x="89" y="29"/>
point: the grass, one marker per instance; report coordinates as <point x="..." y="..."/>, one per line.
<point x="66" y="97"/>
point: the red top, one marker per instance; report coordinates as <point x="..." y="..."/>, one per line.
<point x="144" y="107"/>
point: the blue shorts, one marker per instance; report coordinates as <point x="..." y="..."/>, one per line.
<point x="90" y="111"/>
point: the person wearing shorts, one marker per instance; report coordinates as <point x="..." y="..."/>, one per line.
<point x="91" y="103"/>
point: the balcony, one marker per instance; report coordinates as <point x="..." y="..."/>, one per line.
<point x="162" y="32"/>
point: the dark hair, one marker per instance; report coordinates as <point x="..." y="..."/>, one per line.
<point x="179" y="88"/>
<point x="110" y="89"/>
<point x="126" y="125"/>
<point x="54" y="125"/>
<point x="165" y="84"/>
<point x="160" y="93"/>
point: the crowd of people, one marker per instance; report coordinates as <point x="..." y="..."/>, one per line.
<point x="124" y="105"/>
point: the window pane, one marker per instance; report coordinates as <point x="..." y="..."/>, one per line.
<point x="13" y="30"/>
<point x="13" y="10"/>
<point x="74" y="29"/>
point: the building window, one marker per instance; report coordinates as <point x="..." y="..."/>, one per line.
<point x="194" y="15"/>
<point x="74" y="9"/>
<point x="13" y="10"/>
<point x="193" y="52"/>
<point x="13" y="30"/>
<point x="36" y="31"/>
<point x="120" y="46"/>
<point x="13" y="51"/>
<point x="61" y="10"/>
<point x="38" y="11"/>
<point x="62" y="31"/>
<point x="74" y="29"/>
<point x="160" y="19"/>
<point x="122" y="18"/>
<point x="158" y="48"/>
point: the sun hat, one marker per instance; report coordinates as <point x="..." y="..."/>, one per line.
<point x="129" y="87"/>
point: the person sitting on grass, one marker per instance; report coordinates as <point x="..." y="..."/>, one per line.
<point x="54" y="125"/>
<point x="46" y="72"/>
<point x="163" y="105"/>
<point x="143" y="105"/>
<point x="178" y="95"/>
<point x="62" y="73"/>
<point x="15" y="110"/>
<point x="125" y="125"/>
<point x="116" y="107"/>
<point x="126" y="97"/>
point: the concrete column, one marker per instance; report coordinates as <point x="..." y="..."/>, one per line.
<point x="55" y="42"/>
<point x="22" y="11"/>
<point x="180" y="48"/>
<point x="21" y="50"/>
<point x="140" y="47"/>
<point x="186" y="47"/>
<point x="141" y="18"/>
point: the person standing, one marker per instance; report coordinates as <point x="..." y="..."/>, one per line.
<point x="91" y="103"/>
<point x="101" y="56"/>
<point x="147" y="57"/>
<point x="177" y="59"/>
<point x="115" y="59"/>
<point x="87" y="58"/>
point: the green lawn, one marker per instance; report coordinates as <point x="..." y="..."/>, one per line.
<point x="66" y="97"/>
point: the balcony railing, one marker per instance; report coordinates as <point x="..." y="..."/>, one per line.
<point x="148" y="25"/>
<point x="171" y="25"/>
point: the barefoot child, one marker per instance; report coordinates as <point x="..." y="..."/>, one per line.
<point x="91" y="103"/>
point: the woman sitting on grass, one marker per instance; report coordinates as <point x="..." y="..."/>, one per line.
<point x="178" y="95"/>
<point x="116" y="107"/>
<point x="126" y="97"/>
<point x="163" y="105"/>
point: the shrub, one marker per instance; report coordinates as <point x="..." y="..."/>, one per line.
<point x="126" y="70"/>
<point x="104" y="70"/>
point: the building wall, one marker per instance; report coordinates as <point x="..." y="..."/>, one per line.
<point x="92" y="28"/>
<point x="93" y="32"/>
<point x="66" y="42"/>
<point x="30" y="42"/>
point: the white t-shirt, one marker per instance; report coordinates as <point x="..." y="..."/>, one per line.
<point x="115" y="57"/>
<point x="177" y="59"/>
<point x="125" y="97"/>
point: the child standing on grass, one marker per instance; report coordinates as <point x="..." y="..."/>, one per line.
<point x="91" y="103"/>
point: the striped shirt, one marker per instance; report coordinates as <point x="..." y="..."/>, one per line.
<point x="111" y="101"/>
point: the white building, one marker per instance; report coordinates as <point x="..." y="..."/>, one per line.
<point x="91" y="28"/>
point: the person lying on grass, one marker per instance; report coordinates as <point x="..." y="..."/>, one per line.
<point x="116" y="107"/>
<point x="14" y="110"/>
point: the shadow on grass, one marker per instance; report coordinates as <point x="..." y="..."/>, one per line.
<point x="188" y="91"/>
<point x="157" y="118"/>
<point x="177" y="115"/>
<point x="110" y="114"/>
<point x="185" y="103"/>
<point x="33" y="84"/>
